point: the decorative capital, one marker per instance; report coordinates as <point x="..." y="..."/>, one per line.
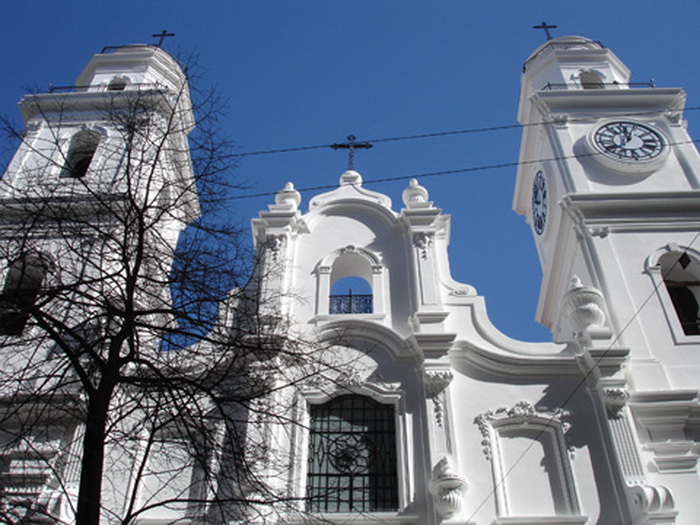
<point x="423" y="241"/>
<point x="436" y="381"/>
<point x="274" y="244"/>
<point x="615" y="401"/>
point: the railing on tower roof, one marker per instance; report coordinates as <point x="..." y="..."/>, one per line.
<point x="113" y="49"/>
<point x="562" y="44"/>
<point x="103" y="87"/>
<point x="549" y="86"/>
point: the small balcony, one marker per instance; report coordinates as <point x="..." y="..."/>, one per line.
<point x="350" y="304"/>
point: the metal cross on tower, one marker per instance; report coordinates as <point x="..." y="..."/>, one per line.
<point x="162" y="37"/>
<point x="351" y="146"/>
<point x="546" y="29"/>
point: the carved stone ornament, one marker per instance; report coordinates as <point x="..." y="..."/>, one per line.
<point x="522" y="413"/>
<point x="350" y="378"/>
<point x="583" y="305"/>
<point x="447" y="488"/>
<point x="423" y="241"/>
<point x="414" y="194"/>
<point x="348" y="250"/>
<point x="615" y="400"/>
<point x="560" y="120"/>
<point x="598" y="231"/>
<point x="436" y="381"/>
<point x="674" y="117"/>
<point x="274" y="244"/>
<point x="653" y="500"/>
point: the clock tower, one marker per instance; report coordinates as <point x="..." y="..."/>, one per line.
<point x="609" y="180"/>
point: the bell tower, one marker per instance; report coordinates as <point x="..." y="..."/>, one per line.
<point x="609" y="180"/>
<point x="608" y="176"/>
<point x="112" y="146"/>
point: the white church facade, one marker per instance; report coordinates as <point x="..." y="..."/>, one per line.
<point x="430" y="414"/>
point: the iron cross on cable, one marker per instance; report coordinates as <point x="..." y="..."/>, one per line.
<point x="546" y="29"/>
<point x="162" y="37"/>
<point x="351" y="146"/>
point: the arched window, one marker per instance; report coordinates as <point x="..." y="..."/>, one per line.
<point x="22" y="285"/>
<point x="352" y="456"/>
<point x="80" y="153"/>
<point x="590" y="80"/>
<point x="351" y="295"/>
<point x="681" y="275"/>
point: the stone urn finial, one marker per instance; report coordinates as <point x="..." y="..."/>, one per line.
<point x="583" y="305"/>
<point x="288" y="196"/>
<point x="351" y="177"/>
<point x="447" y="488"/>
<point x="415" y="194"/>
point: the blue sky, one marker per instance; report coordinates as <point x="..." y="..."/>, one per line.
<point x="311" y="72"/>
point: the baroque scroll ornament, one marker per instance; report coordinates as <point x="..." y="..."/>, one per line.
<point x="523" y="413"/>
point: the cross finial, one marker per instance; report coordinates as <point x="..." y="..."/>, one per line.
<point x="351" y="146"/>
<point x="546" y="29"/>
<point x="162" y="36"/>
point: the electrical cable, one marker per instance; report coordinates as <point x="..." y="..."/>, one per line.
<point x="437" y="134"/>
<point x="443" y="172"/>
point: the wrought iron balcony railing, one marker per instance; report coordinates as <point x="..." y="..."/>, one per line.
<point x="351" y="304"/>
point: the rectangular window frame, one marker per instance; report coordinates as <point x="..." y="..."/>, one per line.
<point x="404" y="450"/>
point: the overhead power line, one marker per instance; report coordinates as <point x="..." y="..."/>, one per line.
<point x="429" y="174"/>
<point x="399" y="138"/>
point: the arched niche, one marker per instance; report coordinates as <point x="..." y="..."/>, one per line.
<point x="348" y="262"/>
<point x="590" y="80"/>
<point x="118" y="84"/>
<point x="80" y="153"/>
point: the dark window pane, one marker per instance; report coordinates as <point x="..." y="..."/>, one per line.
<point x="352" y="456"/>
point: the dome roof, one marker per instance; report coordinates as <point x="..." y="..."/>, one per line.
<point x="563" y="42"/>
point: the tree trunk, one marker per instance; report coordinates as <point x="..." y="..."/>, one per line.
<point x="90" y="494"/>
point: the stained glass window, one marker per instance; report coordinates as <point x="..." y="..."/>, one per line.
<point x="352" y="456"/>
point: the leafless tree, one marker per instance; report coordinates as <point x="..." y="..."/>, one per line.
<point x="134" y="358"/>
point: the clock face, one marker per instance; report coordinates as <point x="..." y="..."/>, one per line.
<point x="539" y="202"/>
<point x="629" y="141"/>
